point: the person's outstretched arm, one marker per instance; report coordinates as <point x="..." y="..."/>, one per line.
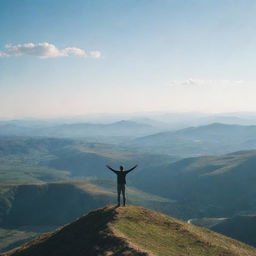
<point x="111" y="169"/>
<point x="131" y="168"/>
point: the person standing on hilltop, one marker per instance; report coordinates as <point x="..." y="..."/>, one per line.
<point x="121" y="181"/>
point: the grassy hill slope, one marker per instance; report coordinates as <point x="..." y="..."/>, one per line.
<point x="131" y="230"/>
<point x="28" y="210"/>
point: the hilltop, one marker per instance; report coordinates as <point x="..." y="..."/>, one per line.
<point x="131" y="230"/>
<point x="27" y="210"/>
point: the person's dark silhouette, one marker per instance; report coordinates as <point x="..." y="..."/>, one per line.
<point x="121" y="181"/>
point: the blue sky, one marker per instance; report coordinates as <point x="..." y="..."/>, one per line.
<point x="192" y="55"/>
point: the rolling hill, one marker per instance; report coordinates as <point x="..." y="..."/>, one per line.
<point x="131" y="230"/>
<point x="36" y="159"/>
<point x="215" y="138"/>
<point x="97" y="131"/>
<point x="206" y="186"/>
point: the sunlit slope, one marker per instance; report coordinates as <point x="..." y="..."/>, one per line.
<point x="131" y="230"/>
<point x="26" y="159"/>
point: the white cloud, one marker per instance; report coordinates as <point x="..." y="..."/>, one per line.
<point x="2" y="55"/>
<point x="203" y="82"/>
<point x="75" y="51"/>
<point x="45" y="50"/>
<point x="95" y="54"/>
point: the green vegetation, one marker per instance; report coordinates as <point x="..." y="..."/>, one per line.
<point x="22" y="160"/>
<point x="27" y="174"/>
<point x="166" y="236"/>
<point x="25" y="159"/>
<point x="131" y="230"/>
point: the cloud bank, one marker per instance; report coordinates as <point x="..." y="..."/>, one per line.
<point x="45" y="51"/>
<point x="222" y="95"/>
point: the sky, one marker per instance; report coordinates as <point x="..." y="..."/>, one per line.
<point x="63" y="57"/>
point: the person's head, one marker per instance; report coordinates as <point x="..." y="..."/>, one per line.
<point x="121" y="168"/>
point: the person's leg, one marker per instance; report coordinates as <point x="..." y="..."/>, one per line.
<point x="118" y="194"/>
<point x="123" y="193"/>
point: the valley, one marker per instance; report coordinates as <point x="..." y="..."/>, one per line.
<point x="47" y="182"/>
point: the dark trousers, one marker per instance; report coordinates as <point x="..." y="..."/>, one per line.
<point x="121" y="188"/>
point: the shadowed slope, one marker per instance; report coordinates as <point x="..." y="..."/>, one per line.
<point x="239" y="227"/>
<point x="207" y="186"/>
<point x="131" y="230"/>
<point x="89" y="235"/>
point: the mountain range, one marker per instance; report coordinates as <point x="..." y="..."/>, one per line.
<point x="121" y="128"/>
<point x="47" y="182"/>
<point x="212" y="139"/>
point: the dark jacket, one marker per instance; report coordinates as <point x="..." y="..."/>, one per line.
<point x="121" y="174"/>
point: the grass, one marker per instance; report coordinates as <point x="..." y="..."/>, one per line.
<point x="26" y="167"/>
<point x="165" y="236"/>
<point x="27" y="174"/>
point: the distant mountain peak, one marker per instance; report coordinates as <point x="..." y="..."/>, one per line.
<point x="130" y="123"/>
<point x="131" y="230"/>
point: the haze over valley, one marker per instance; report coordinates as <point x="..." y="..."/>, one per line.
<point x="192" y="173"/>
